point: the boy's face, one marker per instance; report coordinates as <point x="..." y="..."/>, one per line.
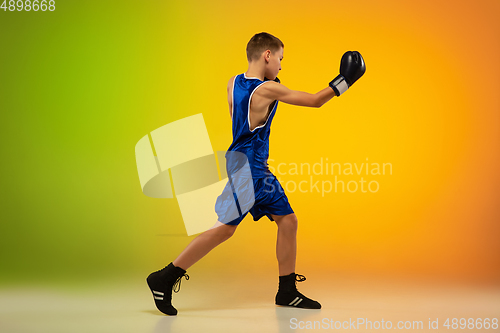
<point x="273" y="65"/>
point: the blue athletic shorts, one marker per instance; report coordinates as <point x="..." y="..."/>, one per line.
<point x="238" y="199"/>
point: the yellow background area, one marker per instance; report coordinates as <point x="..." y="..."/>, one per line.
<point x="81" y="85"/>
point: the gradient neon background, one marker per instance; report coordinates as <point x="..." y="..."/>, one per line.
<point x="81" y="85"/>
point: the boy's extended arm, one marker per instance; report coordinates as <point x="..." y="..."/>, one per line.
<point x="352" y="67"/>
<point x="276" y="91"/>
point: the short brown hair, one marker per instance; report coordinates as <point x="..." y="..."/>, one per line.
<point x="261" y="42"/>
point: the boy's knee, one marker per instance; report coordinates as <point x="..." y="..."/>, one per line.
<point x="289" y="222"/>
<point x="294" y="222"/>
<point x="228" y="231"/>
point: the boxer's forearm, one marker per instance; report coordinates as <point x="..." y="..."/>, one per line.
<point x="324" y="96"/>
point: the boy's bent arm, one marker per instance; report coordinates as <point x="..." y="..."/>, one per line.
<point x="230" y="95"/>
<point x="276" y="91"/>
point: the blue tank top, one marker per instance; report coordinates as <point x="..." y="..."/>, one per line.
<point x="255" y="143"/>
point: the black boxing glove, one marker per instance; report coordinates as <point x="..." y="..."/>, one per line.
<point x="275" y="80"/>
<point x="352" y="67"/>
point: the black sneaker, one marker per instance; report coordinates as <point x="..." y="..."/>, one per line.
<point x="162" y="283"/>
<point x="288" y="295"/>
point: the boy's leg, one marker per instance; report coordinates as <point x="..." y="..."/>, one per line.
<point x="286" y="243"/>
<point x="168" y="279"/>
<point x="203" y="244"/>
<point x="286" y="253"/>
